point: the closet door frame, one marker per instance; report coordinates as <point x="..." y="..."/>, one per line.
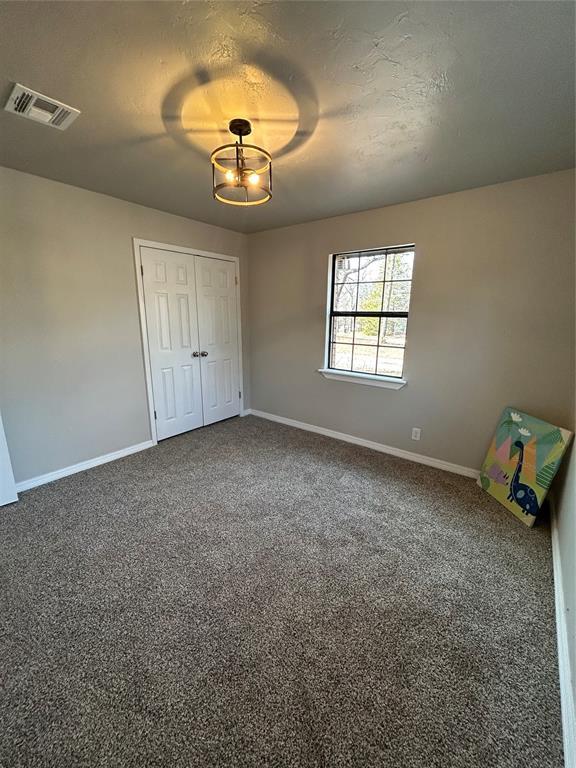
<point x="137" y="244"/>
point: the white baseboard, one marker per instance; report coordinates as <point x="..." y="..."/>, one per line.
<point x="457" y="469"/>
<point x="566" y="692"/>
<point x="32" y="482"/>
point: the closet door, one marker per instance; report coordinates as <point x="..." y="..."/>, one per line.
<point x="170" y="299"/>
<point x="218" y="330"/>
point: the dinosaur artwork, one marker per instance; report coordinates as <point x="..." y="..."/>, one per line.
<point x="522" y="461"/>
<point x="519" y="492"/>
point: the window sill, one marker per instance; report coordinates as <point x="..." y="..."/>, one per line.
<point x="387" y="382"/>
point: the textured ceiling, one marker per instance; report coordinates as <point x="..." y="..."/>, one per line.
<point x="361" y="104"/>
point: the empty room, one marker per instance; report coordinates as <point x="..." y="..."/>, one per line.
<point x="287" y="384"/>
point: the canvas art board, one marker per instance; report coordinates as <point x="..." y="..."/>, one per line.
<point x="521" y="462"/>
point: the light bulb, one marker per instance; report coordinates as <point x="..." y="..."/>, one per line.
<point x="230" y="176"/>
<point x="253" y="178"/>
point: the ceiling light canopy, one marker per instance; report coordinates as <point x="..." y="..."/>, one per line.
<point x="241" y="173"/>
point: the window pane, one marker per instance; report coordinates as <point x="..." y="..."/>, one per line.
<point x="372" y="267"/>
<point x="341" y="356"/>
<point x="393" y="331"/>
<point x="345" y="297"/>
<point x="346" y="270"/>
<point x="364" y="359"/>
<point x="366" y="330"/>
<point x="343" y="329"/>
<point x="370" y="282"/>
<point x="370" y="297"/>
<point x="396" y="297"/>
<point x="390" y="361"/>
<point x="399" y="266"/>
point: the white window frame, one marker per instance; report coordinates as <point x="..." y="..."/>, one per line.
<point x="353" y="377"/>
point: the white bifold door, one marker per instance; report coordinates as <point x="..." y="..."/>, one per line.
<point x="192" y="323"/>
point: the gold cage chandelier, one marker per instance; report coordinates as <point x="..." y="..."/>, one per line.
<point x="241" y="173"/>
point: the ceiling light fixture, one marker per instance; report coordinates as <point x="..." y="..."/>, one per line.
<point x="241" y="173"/>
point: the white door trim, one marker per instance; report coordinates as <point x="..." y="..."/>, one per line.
<point x="138" y="243"/>
<point x="8" y="491"/>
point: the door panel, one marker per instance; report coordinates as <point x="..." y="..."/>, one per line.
<point x="163" y="320"/>
<point x="170" y="300"/>
<point x="218" y="333"/>
<point x="184" y="321"/>
<point x="168" y="402"/>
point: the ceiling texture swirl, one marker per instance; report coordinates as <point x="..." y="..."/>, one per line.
<point x="362" y="104"/>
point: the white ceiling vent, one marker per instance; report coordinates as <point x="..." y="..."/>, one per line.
<point x="35" y="106"/>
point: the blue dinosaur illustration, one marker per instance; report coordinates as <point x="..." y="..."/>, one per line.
<point x="519" y="492"/>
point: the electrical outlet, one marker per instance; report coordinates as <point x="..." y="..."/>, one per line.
<point x="416" y="432"/>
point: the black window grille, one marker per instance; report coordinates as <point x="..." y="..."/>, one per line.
<point x="369" y="305"/>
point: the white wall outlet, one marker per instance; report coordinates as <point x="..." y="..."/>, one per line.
<point x="416" y="432"/>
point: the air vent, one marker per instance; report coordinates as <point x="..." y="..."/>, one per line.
<point x="42" y="109"/>
<point x="22" y="101"/>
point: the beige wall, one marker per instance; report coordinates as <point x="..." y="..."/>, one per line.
<point x="491" y="322"/>
<point x="71" y="369"/>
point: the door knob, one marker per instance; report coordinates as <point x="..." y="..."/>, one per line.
<point x="195" y="354"/>
<point x="204" y="354"/>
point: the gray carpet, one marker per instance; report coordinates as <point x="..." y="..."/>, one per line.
<point x="252" y="595"/>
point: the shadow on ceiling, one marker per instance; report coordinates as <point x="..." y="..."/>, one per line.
<point x="296" y="83"/>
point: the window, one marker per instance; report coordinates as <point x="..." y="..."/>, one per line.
<point x="370" y="299"/>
